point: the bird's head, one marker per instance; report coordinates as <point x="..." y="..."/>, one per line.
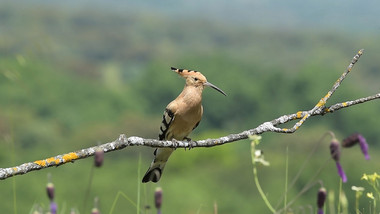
<point x="196" y="79"/>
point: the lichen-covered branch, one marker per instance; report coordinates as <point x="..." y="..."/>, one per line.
<point x="123" y="141"/>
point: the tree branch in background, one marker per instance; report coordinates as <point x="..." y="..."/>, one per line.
<point x="122" y="142"/>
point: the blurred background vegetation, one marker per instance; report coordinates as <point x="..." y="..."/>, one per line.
<point x="73" y="75"/>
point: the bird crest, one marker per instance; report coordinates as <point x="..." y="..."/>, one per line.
<point x="195" y="75"/>
<point x="195" y="78"/>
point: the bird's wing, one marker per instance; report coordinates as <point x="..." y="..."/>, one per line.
<point x="167" y="119"/>
<point x="196" y="125"/>
<point x="161" y="155"/>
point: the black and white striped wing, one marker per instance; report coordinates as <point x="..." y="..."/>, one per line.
<point x="167" y="119"/>
<point x="161" y="155"/>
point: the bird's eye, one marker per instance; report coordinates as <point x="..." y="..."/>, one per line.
<point x="196" y="79"/>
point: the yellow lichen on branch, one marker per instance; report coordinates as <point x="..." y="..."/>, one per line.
<point x="40" y="163"/>
<point x="57" y="160"/>
<point x="70" y="157"/>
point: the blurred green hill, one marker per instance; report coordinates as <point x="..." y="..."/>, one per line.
<point x="71" y="79"/>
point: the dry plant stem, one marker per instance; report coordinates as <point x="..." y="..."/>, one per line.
<point x="312" y="152"/>
<point x="87" y="193"/>
<point x="286" y="178"/>
<point x="215" y="208"/>
<point x="270" y="126"/>
<point x="312" y="182"/>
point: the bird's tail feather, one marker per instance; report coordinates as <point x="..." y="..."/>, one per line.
<point x="158" y="164"/>
<point x="153" y="175"/>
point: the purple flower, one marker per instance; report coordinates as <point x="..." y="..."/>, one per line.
<point x="321" y="198"/>
<point x="53" y="207"/>
<point x="335" y="149"/>
<point x="335" y="154"/>
<point x="363" y="146"/>
<point x="158" y="199"/>
<point x="341" y="172"/>
<point x="353" y="140"/>
<point x="350" y="140"/>
<point x="50" y="190"/>
<point x="99" y="157"/>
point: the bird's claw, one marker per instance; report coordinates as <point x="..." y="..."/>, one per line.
<point x="175" y="143"/>
<point x="190" y="143"/>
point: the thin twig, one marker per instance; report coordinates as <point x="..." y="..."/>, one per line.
<point x="123" y="141"/>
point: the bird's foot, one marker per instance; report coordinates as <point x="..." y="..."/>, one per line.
<point x="175" y="143"/>
<point x="190" y="143"/>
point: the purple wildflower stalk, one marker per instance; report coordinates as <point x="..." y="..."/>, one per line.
<point x="158" y="199"/>
<point x="53" y="207"/>
<point x="350" y="141"/>
<point x="363" y="146"/>
<point x="341" y="172"/>
<point x="99" y="158"/>
<point x="50" y="191"/>
<point x="335" y="154"/>
<point x="335" y="150"/>
<point x="50" y="188"/>
<point x="353" y="140"/>
<point x="321" y="198"/>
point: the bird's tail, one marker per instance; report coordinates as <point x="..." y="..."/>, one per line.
<point x="157" y="166"/>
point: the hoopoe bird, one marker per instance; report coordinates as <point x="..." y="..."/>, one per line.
<point x="181" y="116"/>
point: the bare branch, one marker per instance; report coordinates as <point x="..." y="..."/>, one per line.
<point x="123" y="141"/>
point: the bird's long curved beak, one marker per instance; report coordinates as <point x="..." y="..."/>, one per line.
<point x="214" y="87"/>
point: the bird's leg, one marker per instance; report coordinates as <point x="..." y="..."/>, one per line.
<point x="190" y="142"/>
<point x="175" y="143"/>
